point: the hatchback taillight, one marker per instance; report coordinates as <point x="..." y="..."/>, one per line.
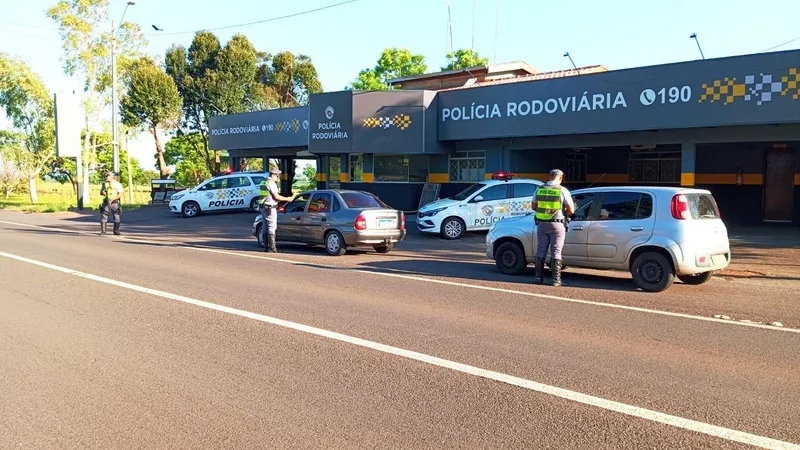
<point x="361" y="222"/>
<point x="402" y="220"/>
<point x="680" y="207"/>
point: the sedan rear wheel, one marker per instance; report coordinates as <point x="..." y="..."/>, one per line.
<point x="696" y="279"/>
<point x="334" y="243"/>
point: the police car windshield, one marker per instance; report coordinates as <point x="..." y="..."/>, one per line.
<point x="463" y="195"/>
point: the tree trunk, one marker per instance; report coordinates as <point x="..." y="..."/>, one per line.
<point x="162" y="163"/>
<point x="32" y="189"/>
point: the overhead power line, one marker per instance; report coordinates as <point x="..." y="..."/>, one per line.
<point x="781" y="45"/>
<point x="272" y="19"/>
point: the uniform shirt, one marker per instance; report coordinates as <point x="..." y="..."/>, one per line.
<point x="112" y="191"/>
<point x="566" y="199"/>
<point x="272" y="188"/>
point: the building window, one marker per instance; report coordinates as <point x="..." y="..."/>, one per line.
<point x="356" y="168"/>
<point x="401" y="168"/>
<point x="654" y="167"/>
<point x="466" y="167"/>
<point x="575" y="167"/>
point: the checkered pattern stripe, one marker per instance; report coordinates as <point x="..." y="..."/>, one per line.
<point x="225" y="194"/>
<point x="400" y="121"/>
<point x="287" y="126"/>
<point x="761" y="88"/>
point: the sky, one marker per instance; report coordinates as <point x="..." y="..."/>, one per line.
<point x="345" y="39"/>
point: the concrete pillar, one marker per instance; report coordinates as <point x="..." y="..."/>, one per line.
<point x="369" y="168"/>
<point x="322" y="172"/>
<point x="344" y="176"/>
<point x="688" y="159"/>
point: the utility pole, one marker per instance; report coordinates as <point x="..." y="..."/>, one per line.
<point x="474" y="5"/>
<point x="130" y="172"/>
<point x="114" y="131"/>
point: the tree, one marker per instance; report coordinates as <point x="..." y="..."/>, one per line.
<point x="11" y="151"/>
<point x="393" y="63"/>
<point x="28" y="104"/>
<point x="288" y="79"/>
<point x="309" y="179"/>
<point x="83" y="26"/>
<point x="190" y="166"/>
<point x="214" y="80"/>
<point x="463" y="59"/>
<point x="152" y="101"/>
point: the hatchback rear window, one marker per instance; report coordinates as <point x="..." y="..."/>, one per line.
<point x="360" y="200"/>
<point x="702" y="206"/>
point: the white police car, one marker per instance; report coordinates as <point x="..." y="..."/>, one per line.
<point x="232" y="191"/>
<point x="478" y="206"/>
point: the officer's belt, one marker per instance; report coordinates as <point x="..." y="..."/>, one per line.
<point x="552" y="220"/>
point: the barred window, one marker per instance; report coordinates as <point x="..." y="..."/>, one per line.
<point x="654" y="167"/>
<point x="575" y="167"/>
<point x="466" y="167"/>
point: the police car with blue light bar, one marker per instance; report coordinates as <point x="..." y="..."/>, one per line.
<point x="479" y="206"/>
<point x="229" y="192"/>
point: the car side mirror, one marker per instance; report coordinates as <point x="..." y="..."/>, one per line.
<point x="478" y="198"/>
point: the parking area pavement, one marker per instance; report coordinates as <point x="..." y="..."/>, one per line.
<point x="761" y="284"/>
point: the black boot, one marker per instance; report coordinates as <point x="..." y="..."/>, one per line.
<point x="539" y="265"/>
<point x="102" y="228"/>
<point x="556" y="269"/>
<point x="273" y="248"/>
<point x="116" y="228"/>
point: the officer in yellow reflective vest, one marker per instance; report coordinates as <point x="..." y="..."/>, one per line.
<point x="549" y="204"/>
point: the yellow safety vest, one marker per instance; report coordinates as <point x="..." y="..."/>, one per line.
<point x="548" y="202"/>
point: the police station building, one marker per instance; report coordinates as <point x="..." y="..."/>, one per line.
<point x="730" y="125"/>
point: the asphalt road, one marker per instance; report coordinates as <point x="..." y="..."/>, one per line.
<point x="183" y="335"/>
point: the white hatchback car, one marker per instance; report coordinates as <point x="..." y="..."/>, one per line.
<point x="478" y="206"/>
<point x="656" y="233"/>
<point x="232" y="191"/>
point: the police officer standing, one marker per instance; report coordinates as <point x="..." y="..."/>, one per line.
<point x="269" y="209"/>
<point x="549" y="202"/>
<point x="112" y="193"/>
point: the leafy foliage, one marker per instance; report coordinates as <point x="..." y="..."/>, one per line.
<point x="289" y="79"/>
<point x="393" y="63"/>
<point x="27" y="103"/>
<point x="152" y="101"/>
<point x="463" y="59"/>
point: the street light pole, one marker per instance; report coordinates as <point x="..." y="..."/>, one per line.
<point x="114" y="106"/>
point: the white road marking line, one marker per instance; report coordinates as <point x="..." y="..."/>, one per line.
<point x="610" y="405"/>
<point x="449" y="283"/>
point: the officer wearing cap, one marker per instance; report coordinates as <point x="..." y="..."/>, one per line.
<point x="269" y="209"/>
<point x="549" y="202"/>
<point x="111" y="191"/>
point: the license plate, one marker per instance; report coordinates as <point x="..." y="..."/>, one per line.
<point x="385" y="222"/>
<point x="718" y="260"/>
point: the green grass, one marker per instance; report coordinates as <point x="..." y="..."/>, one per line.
<point x="56" y="197"/>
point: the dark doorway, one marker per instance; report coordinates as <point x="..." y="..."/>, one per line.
<point x="779" y="185"/>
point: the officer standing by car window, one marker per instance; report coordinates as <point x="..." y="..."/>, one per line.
<point x="269" y="209"/>
<point x="549" y="202"/>
<point x="111" y="191"/>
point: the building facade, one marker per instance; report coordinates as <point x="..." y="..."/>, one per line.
<point x="730" y="125"/>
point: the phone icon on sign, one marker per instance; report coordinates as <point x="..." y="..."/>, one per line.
<point x="648" y="97"/>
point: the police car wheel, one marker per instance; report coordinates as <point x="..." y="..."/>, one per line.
<point x="452" y="228"/>
<point x="334" y="243"/>
<point x="254" y="205"/>
<point x="510" y="258"/>
<point x="190" y="209"/>
<point x="652" y="272"/>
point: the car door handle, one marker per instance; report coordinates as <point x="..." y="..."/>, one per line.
<point x="296" y="218"/>
<point x="578" y="227"/>
<point x="637" y="228"/>
<point x="324" y="219"/>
